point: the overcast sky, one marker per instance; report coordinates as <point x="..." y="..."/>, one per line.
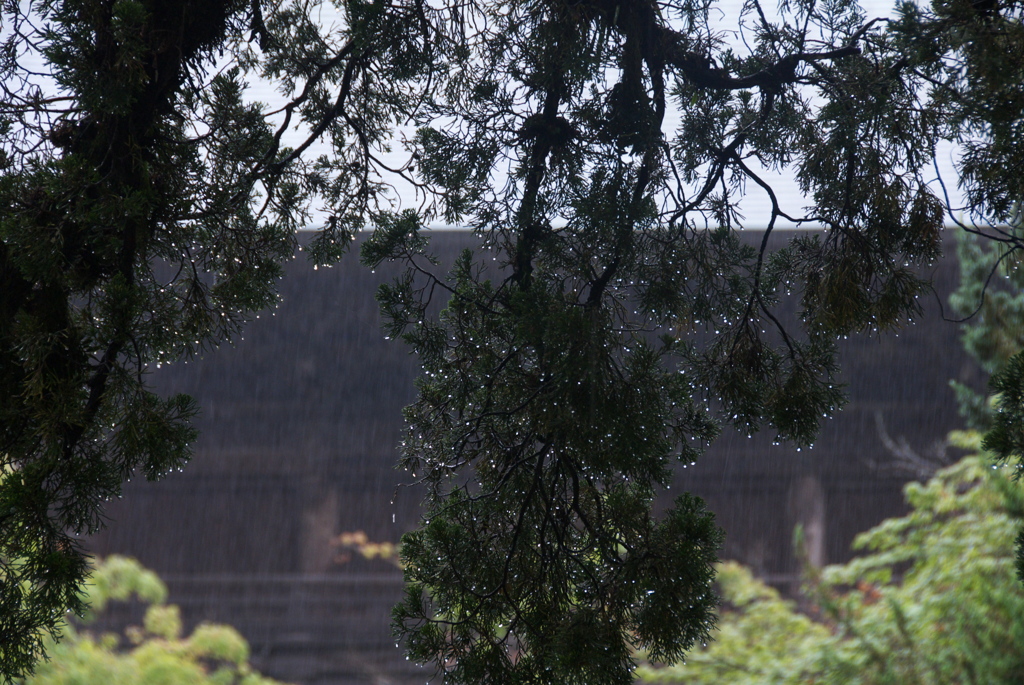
<point x="755" y="206"/>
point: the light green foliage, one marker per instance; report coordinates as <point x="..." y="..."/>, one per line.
<point x="156" y="653"/>
<point x="760" y="639"/>
<point x="118" y="578"/>
<point x="932" y="599"/>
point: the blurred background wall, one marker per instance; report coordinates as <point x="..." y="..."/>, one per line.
<point x="299" y="424"/>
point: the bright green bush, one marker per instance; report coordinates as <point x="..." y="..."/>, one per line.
<point x="155" y="653"/>
<point x="933" y="599"/>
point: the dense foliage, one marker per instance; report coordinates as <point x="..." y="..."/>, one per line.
<point x="933" y="599"/>
<point x="139" y="225"/>
<point x="154" y="653"/>
<point x="990" y="302"/>
<point x="995" y="337"/>
<point x="148" y="206"/>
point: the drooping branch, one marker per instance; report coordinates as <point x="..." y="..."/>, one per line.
<point x="698" y="69"/>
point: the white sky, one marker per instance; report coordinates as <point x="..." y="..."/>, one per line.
<point x="755" y="206"/>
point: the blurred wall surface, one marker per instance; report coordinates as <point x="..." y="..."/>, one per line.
<point x="299" y="424"/>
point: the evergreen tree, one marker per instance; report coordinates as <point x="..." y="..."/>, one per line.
<point x="143" y="221"/>
<point x="149" y="206"/>
<point x="990" y="299"/>
<point x="990" y="302"/>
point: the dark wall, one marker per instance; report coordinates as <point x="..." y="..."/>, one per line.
<point x="298" y="432"/>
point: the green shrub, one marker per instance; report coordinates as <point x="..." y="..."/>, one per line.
<point x="155" y="653"/>
<point x="933" y="599"/>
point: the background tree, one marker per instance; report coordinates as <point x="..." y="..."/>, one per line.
<point x="990" y="300"/>
<point x="934" y="598"/>
<point x="613" y="335"/>
<point x="154" y="653"/>
<point x="990" y="295"/>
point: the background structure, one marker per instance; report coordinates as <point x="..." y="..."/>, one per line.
<point x="299" y="426"/>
